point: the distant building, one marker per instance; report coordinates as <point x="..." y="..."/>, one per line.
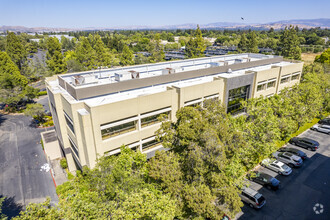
<point x="96" y="112"/>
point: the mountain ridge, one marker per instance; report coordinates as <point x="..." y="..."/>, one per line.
<point x="301" y="23"/>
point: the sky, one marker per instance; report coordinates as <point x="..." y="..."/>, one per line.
<point x="124" y="13"/>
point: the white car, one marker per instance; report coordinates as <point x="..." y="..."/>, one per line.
<point x="276" y="166"/>
<point x="321" y="128"/>
<point x="288" y="158"/>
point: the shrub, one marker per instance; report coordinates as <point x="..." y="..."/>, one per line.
<point x="63" y="163"/>
<point x="42" y="93"/>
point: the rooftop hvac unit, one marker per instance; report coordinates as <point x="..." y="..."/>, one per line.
<point x="134" y="74"/>
<point x="84" y="79"/>
<point x="78" y="80"/>
<point x="127" y="75"/>
<point x="167" y="71"/>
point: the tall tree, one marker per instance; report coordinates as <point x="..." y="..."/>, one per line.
<point x="86" y="54"/>
<point x="289" y="44"/>
<point x="15" y="49"/>
<point x="157" y="50"/>
<point x="243" y="43"/>
<point x="55" y="59"/>
<point x="252" y="46"/>
<point x="196" y="46"/>
<point x="126" y="57"/>
<point x="200" y="43"/>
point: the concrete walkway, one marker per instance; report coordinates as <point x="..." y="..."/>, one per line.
<point x="54" y="155"/>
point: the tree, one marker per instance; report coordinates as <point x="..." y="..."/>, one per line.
<point x="252" y="45"/>
<point x="85" y="54"/>
<point x="289" y="44"/>
<point x="15" y="49"/>
<point x="103" y="55"/>
<point x="243" y="43"/>
<point x="200" y="43"/>
<point x="324" y="57"/>
<point x="55" y="61"/>
<point x="2" y="216"/>
<point x="126" y="57"/>
<point x="157" y="50"/>
<point x="36" y="111"/>
<point x="196" y="46"/>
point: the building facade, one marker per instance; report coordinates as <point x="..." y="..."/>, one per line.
<point x="96" y="112"/>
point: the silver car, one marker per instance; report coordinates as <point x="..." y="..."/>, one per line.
<point x="321" y="128"/>
<point x="289" y="159"/>
<point x="253" y="198"/>
<point x="276" y="166"/>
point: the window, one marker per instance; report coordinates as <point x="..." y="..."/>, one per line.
<point x="153" y="119"/>
<point x="74" y="147"/>
<point x="117" y="129"/>
<point x="261" y="87"/>
<point x="150" y="144"/>
<point x="193" y="103"/>
<point x="69" y="122"/>
<point x="295" y="76"/>
<point x="235" y="97"/>
<point x="285" y="79"/>
<point x="271" y="84"/>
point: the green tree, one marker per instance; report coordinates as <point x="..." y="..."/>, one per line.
<point x="2" y="216"/>
<point x="243" y="43"/>
<point x="126" y="57"/>
<point x="324" y="57"/>
<point x="196" y="46"/>
<point x="156" y="50"/>
<point x="15" y="49"/>
<point x="252" y="45"/>
<point x="55" y="60"/>
<point x="85" y="54"/>
<point x="36" y="111"/>
<point x="289" y="44"/>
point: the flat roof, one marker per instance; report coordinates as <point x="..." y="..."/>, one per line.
<point x="106" y="90"/>
<point x="108" y="76"/>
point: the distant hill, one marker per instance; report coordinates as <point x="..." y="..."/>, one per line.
<point x="301" y="23"/>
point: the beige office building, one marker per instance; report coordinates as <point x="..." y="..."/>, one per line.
<point x="96" y="112"/>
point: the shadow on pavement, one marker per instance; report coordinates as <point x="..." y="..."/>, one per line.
<point x="10" y="208"/>
<point x="2" y="118"/>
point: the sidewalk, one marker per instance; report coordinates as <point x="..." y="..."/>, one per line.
<point x="53" y="155"/>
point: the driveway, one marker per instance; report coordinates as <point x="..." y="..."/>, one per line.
<point x="23" y="178"/>
<point x="305" y="194"/>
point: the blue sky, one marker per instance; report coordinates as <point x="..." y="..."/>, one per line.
<point x="102" y="13"/>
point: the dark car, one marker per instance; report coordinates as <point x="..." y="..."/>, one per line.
<point x="305" y="143"/>
<point x="265" y="180"/>
<point x="325" y="121"/>
<point x="294" y="151"/>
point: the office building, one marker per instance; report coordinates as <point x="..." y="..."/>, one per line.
<point x="96" y="112"/>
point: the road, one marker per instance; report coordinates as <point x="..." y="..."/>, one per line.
<point x="301" y="191"/>
<point x="21" y="156"/>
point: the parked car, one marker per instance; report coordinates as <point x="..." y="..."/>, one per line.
<point x="276" y="166"/>
<point x="293" y="151"/>
<point x="321" y="128"/>
<point x="325" y="121"/>
<point x="265" y="180"/>
<point x="305" y="143"/>
<point x="289" y="159"/>
<point x="253" y="198"/>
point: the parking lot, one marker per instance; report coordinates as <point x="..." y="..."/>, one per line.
<point x="24" y="176"/>
<point x="304" y="194"/>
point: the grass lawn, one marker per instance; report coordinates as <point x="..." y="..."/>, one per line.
<point x="309" y="57"/>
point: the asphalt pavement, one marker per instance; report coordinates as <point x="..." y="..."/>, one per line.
<point x="304" y="194"/>
<point x="24" y="177"/>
